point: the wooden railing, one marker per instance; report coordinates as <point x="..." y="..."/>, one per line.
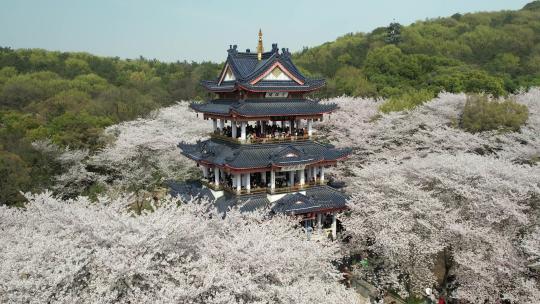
<point x="262" y="140"/>
<point x="225" y="138"/>
<point x="296" y="187"/>
<point x="319" y="234"/>
<point x="211" y="185"/>
<point x="256" y="190"/>
<point x="244" y="191"/>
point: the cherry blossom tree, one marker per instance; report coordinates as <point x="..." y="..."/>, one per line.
<point x="428" y="195"/>
<point x="427" y="129"/>
<point x="140" y="154"/>
<point x="76" y="251"/>
<point x="432" y="206"/>
<point x="147" y="147"/>
<point x="467" y="211"/>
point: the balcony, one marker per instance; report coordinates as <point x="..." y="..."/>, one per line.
<point x="318" y="234"/>
<point x="243" y="191"/>
<point x="210" y="185"/>
<point x="296" y="187"/>
<point x="258" y="189"/>
<point x="263" y="140"/>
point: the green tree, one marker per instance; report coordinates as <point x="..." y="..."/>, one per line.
<point x="393" y="33"/>
<point x="352" y="82"/>
<point x="80" y="131"/>
<point x="532" y="6"/>
<point x="505" y="63"/>
<point x="481" y="114"/>
<point x="22" y="89"/>
<point x="406" y="101"/>
<point x="75" y="67"/>
<point x="14" y="177"/>
<point x="90" y="83"/>
<point x="7" y="73"/>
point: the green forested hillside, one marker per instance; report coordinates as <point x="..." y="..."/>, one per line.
<point x="70" y="98"/>
<point x="494" y="52"/>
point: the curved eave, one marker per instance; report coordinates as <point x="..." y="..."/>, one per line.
<point x="233" y="113"/>
<point x="346" y="153"/>
<point x="213" y="87"/>
<point x="301" y="211"/>
<point x="192" y="157"/>
<point x="192" y="152"/>
<point x="307" y="162"/>
<point x="194" y="107"/>
<point x="253" y="169"/>
<point x="260" y="89"/>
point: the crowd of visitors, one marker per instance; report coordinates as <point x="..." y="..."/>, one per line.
<point x="263" y="131"/>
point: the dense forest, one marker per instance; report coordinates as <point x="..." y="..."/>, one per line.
<point x="70" y="98"/>
<point x="494" y="52"/>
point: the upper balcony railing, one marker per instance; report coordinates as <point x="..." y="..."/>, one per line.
<point x="244" y="191"/>
<point x="296" y="187"/>
<point x="263" y="140"/>
<point x="211" y="185"/>
<point x="258" y="189"/>
<point x="261" y="189"/>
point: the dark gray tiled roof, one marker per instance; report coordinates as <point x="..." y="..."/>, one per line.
<point x="253" y="202"/>
<point x="245" y="203"/>
<point x="224" y="203"/>
<point x="264" y="107"/>
<point x="246" y="67"/>
<point x="261" y="155"/>
<point x="263" y="86"/>
<point x="316" y="199"/>
<point x="189" y="189"/>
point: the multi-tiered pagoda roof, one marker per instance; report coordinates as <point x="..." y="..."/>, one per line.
<point x="253" y="108"/>
<point x="262" y="152"/>
<point x="240" y="157"/>
<point x="244" y="71"/>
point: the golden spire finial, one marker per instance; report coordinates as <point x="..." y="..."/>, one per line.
<point x="260" y="46"/>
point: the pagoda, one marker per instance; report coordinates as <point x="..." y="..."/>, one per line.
<point x="263" y="151"/>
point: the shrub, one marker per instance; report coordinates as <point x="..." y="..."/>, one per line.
<point x="406" y="101"/>
<point x="481" y="114"/>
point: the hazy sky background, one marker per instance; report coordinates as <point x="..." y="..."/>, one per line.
<point x="202" y="30"/>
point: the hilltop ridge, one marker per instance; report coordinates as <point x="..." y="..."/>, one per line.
<point x="493" y="52"/>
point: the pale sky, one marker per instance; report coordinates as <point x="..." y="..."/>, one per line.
<point x="202" y="30"/>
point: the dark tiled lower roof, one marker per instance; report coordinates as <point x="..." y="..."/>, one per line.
<point x="316" y="199"/>
<point x="253" y="202"/>
<point x="264" y="107"/>
<point x="289" y="86"/>
<point x="261" y="155"/>
<point x="189" y="190"/>
<point x="245" y="203"/>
